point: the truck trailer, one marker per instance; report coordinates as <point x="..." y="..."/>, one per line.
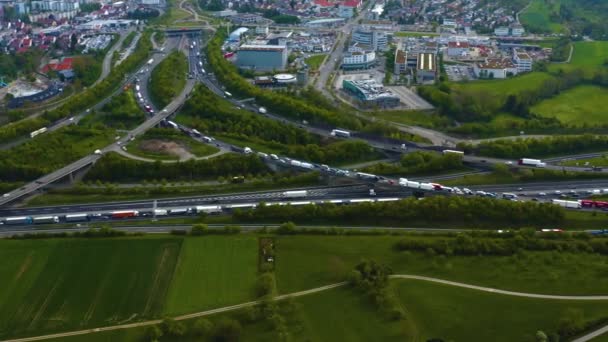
<point x="124" y="214"/>
<point x="46" y="219"/>
<point x="340" y="133"/>
<point x="567" y="204"/>
<point x="76" y="217"/>
<point x="295" y="194"/>
<point x="18" y="220"/>
<point x="529" y="162"/>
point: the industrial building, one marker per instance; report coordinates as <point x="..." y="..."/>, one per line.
<point x="426" y="68"/>
<point x="370" y="38"/>
<point x="370" y="93"/>
<point x="400" y="62"/>
<point x="358" y="60"/>
<point x="262" y="57"/>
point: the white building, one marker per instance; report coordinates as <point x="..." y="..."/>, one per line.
<point x="495" y="68"/>
<point x="517" y="31"/>
<point x="522" y="60"/>
<point x="458" y="49"/>
<point x="359" y="60"/>
<point x="262" y="30"/>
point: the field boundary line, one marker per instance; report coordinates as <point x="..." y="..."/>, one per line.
<point x="304" y="293"/>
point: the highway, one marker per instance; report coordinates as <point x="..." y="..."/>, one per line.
<point x="92" y="158"/>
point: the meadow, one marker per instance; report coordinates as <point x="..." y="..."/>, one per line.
<point x="499" y="89"/>
<point x="581" y="105"/>
<point x="213" y="271"/>
<point x="588" y="56"/>
<point x="54" y="285"/>
<point x="537" y="17"/>
<point x="305" y="262"/>
<point x="314" y="62"/>
<point x="194" y="147"/>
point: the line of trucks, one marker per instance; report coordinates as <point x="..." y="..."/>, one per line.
<point x="581" y="204"/>
<point x="210" y="210"/>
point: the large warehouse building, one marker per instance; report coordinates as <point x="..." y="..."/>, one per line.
<point x="262" y="57"/>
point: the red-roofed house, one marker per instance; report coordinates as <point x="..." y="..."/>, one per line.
<point x="324" y="3"/>
<point x="56" y="65"/>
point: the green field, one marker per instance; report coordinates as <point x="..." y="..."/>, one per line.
<point x="581" y="105"/>
<point x="537" y="17"/>
<point x="213" y="271"/>
<point x="411" y="117"/>
<point x="457" y="314"/>
<point x="598" y="161"/>
<point x="315" y="61"/>
<point x="305" y="262"/>
<point x="66" y="284"/>
<point x="588" y="56"/>
<point x="500" y="89"/>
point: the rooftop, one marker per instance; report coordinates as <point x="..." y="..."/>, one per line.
<point x="262" y="47"/>
<point x="426" y="61"/>
<point x="496" y="63"/>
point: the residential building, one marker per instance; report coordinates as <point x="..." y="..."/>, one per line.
<point x="262" y="57"/>
<point x="495" y="68"/>
<point x="522" y="60"/>
<point x="370" y="93"/>
<point x="517" y="30"/>
<point x="426" y="68"/>
<point x="501" y="31"/>
<point x="400" y="62"/>
<point x="359" y="60"/>
<point x="374" y="39"/>
<point x="458" y="49"/>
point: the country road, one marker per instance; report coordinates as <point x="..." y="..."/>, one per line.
<point x="316" y="290"/>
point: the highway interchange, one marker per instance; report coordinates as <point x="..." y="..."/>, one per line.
<point x="540" y="191"/>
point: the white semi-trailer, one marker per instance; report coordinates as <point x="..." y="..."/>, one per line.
<point x="295" y="193"/>
<point x="530" y="162"/>
<point x="567" y="204"/>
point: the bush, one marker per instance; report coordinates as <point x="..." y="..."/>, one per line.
<point x="199" y="229"/>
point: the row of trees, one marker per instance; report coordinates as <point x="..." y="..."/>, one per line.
<point x="168" y="78"/>
<point x="469" y="244"/>
<point x="115" y="168"/>
<point x="533" y="147"/>
<point x="463" y="211"/>
<point x="226" y="329"/>
<point x="84" y="100"/>
<point x="418" y="162"/>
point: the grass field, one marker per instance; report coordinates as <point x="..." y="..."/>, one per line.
<point x="315" y="61"/>
<point x="305" y="262"/>
<point x="61" y="284"/>
<point x="456" y="314"/>
<point x="588" y="56"/>
<point x="411" y="117"/>
<point x="598" y="161"/>
<point x="213" y="271"/>
<point x="537" y="17"/>
<point x="500" y="89"/>
<point x="583" y="104"/>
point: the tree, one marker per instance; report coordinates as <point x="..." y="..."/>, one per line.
<point x="541" y="336"/>
<point x="287" y="228"/>
<point x="201" y="327"/>
<point x="199" y="229"/>
<point x="571" y="322"/>
<point x="73" y="42"/>
<point x="228" y="330"/>
<point x="153" y="333"/>
<point x="173" y="328"/>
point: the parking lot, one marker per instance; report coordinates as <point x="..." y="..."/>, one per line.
<point x="459" y="72"/>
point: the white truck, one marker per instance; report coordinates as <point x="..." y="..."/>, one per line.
<point x="262" y="110"/>
<point x="567" y="204"/>
<point x="46" y="219"/>
<point x="295" y="194"/>
<point x="340" y="133"/>
<point x="150" y="61"/>
<point x="531" y="162"/>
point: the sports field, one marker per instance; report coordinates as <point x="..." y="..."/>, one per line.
<point x="585" y="104"/>
<point x="213" y="271"/>
<point x="305" y="262"/>
<point x="62" y="284"/>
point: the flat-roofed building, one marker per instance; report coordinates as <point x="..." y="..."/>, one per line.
<point x="371" y="93"/>
<point x="358" y="60"/>
<point x="426" y="68"/>
<point x="400" y="62"/>
<point x="495" y="68"/>
<point x="522" y="60"/>
<point x="262" y="57"/>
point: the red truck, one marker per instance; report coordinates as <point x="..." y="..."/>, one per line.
<point x="124" y="214"/>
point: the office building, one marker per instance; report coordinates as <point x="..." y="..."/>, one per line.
<point x="370" y="93"/>
<point x="262" y="57"/>
<point x="373" y="39"/>
<point x="358" y="60"/>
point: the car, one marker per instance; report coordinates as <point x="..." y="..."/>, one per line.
<point x="557" y="192"/>
<point x="542" y="194"/>
<point x="6" y="195"/>
<point x="509" y="162"/>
